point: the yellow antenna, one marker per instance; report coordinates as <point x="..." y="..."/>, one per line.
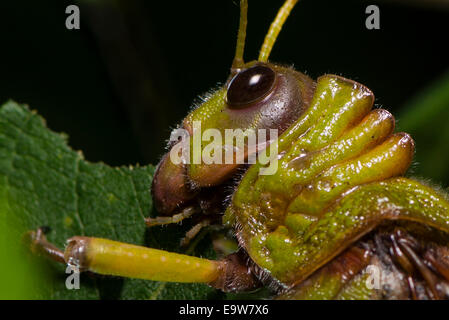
<point x="275" y="28"/>
<point x="238" y="59"/>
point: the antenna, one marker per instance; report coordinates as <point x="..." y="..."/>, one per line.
<point x="275" y="28"/>
<point x="238" y="59"/>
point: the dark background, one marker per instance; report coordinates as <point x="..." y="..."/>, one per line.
<point x="121" y="83"/>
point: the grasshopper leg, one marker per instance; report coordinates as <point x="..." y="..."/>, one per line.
<point x="361" y="210"/>
<point x="157" y="221"/>
<point x="328" y="281"/>
<point x="40" y="246"/>
<point x="402" y="244"/>
<point x="108" y="257"/>
<point x="193" y="232"/>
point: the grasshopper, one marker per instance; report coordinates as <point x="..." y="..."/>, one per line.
<point x="336" y="208"/>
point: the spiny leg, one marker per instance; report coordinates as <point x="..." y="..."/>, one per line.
<point x="193" y="232"/>
<point x="405" y="263"/>
<point x="427" y="275"/>
<point x="115" y="258"/>
<point x="184" y="214"/>
<point x="438" y="258"/>
<point x="160" y="220"/>
<point x="423" y="262"/>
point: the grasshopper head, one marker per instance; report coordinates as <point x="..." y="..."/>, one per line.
<point x="213" y="142"/>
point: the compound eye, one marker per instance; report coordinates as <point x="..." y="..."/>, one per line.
<point x="250" y="85"/>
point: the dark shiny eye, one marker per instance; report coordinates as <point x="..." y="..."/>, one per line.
<point x="249" y="86"/>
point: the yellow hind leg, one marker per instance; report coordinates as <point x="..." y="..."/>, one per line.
<point x="107" y="257"/>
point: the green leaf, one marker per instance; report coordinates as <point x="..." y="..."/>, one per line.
<point x="45" y="183"/>
<point x="426" y="118"/>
